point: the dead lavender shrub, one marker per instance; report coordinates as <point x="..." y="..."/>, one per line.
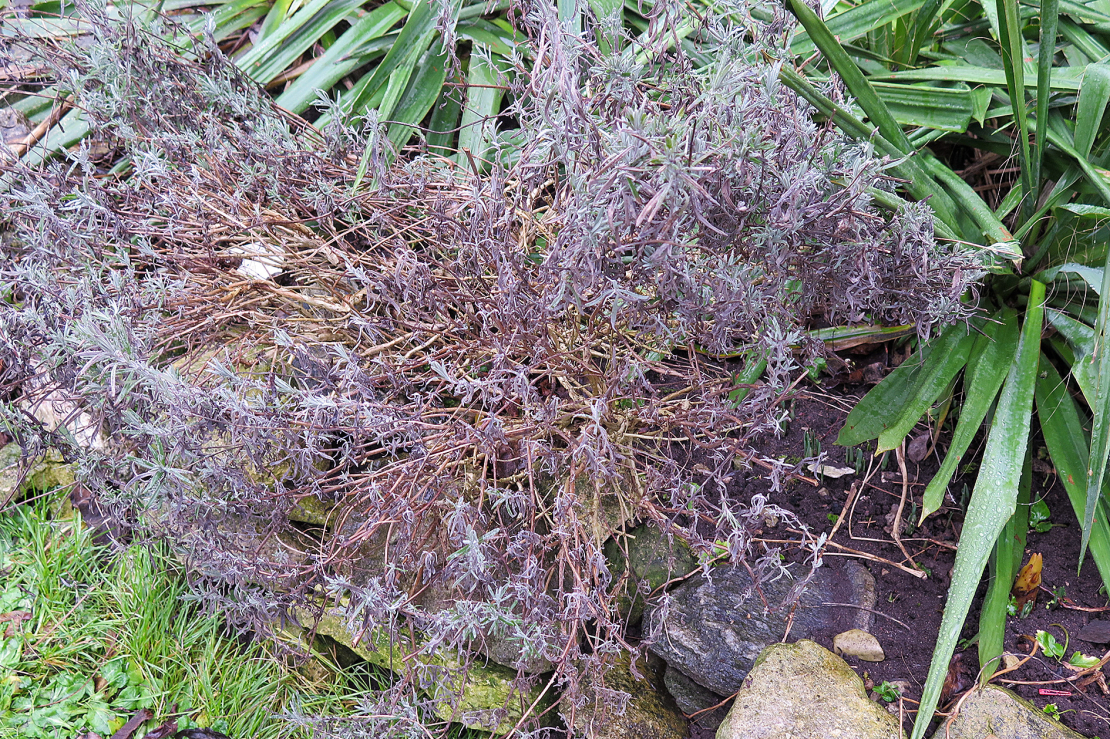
<point x="440" y="397"/>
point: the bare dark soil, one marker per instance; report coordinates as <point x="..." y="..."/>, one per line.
<point x="909" y="608"/>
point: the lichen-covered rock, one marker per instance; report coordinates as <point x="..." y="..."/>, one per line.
<point x="804" y="691"/>
<point x="996" y="712"/>
<point x="46" y="473"/>
<point x="649" y="714"/>
<point x="645" y="554"/>
<point x="479" y="694"/>
<point x="714" y="628"/>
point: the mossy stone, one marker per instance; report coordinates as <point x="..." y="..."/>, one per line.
<point x="484" y="702"/>
<point x="653" y="557"/>
<point x="804" y="691"/>
<point x="997" y="712"/>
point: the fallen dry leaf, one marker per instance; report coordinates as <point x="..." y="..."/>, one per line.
<point x="1028" y="583"/>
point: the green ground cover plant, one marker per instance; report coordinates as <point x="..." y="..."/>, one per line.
<point x="980" y="82"/>
<point x="90" y="639"/>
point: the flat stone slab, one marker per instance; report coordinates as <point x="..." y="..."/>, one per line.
<point x="996" y="713"/>
<point x="804" y="691"/>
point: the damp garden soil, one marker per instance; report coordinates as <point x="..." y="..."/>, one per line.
<point x="908" y="609"/>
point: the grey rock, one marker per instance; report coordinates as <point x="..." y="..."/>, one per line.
<point x="804" y="691"/>
<point x="689" y="696"/>
<point x="996" y="712"/>
<point x="649" y="714"/>
<point x="713" y="630"/>
<point x="17" y="476"/>
<point x="1096" y="632"/>
<point x="692" y="698"/>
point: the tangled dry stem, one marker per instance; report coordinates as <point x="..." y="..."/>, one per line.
<point x="442" y="394"/>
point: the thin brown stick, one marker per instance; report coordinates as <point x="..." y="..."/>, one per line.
<point x="896" y="528"/>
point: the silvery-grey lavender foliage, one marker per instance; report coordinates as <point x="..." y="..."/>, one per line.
<point x="454" y="387"/>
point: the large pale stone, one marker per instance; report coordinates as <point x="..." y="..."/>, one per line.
<point x="804" y="691"/>
<point x="996" y="713"/>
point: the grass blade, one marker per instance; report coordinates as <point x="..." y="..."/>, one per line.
<point x="993" y="500"/>
<point x="991" y="358"/>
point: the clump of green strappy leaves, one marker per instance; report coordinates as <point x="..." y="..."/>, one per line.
<point x="953" y="73"/>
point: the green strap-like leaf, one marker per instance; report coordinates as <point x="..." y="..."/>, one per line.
<point x="937" y="372"/>
<point x="1063" y="80"/>
<point x="993" y="500"/>
<point x="1049" y="20"/>
<point x="338" y="61"/>
<point x="941" y="108"/>
<point x="1067" y="444"/>
<point x="421" y="94"/>
<point x="1100" y="433"/>
<point x="1004" y="562"/>
<point x="1081" y="339"/>
<point x="888" y="400"/>
<point x="990" y="360"/>
<point x="853" y="78"/>
<point x="1012" y="44"/>
<point x="1094" y="94"/>
<point x="856" y="22"/>
<point x="483" y="100"/>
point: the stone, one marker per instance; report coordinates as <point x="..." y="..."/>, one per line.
<point x="859" y="644"/>
<point x="804" y="691"/>
<point x="687" y="694"/>
<point x="996" y="712"/>
<point x="1096" y="632"/>
<point x="479" y="695"/>
<point x="48" y="472"/>
<point x="713" y="629"/>
<point x="692" y="699"/>
<point x="649" y="713"/>
<point x="652" y="558"/>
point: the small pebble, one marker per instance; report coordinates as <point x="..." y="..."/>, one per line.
<point x="1096" y="632"/>
<point x="858" y="643"/>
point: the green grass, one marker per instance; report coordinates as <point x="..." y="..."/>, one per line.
<point x="107" y="636"/>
